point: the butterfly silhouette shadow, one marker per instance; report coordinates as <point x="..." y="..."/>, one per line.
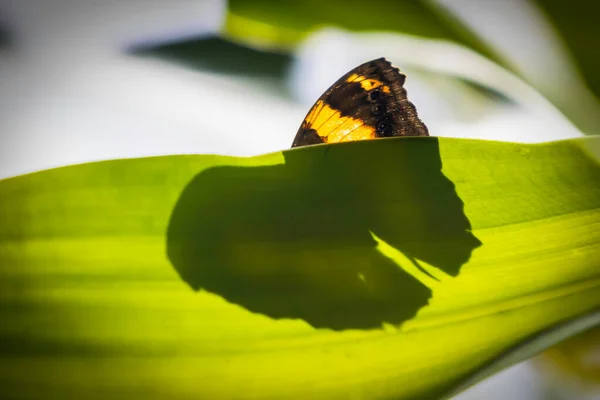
<point x="294" y="240"/>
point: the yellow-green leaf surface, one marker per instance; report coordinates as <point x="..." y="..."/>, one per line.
<point x="401" y="268"/>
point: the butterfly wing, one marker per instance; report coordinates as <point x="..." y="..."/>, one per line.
<point x="366" y="103"/>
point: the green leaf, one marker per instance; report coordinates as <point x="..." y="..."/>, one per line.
<point x="400" y="268"/>
<point x="576" y="24"/>
<point x="282" y="25"/>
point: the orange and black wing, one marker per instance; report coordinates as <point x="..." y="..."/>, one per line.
<point x="368" y="102"/>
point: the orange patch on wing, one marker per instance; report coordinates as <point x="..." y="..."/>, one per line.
<point x="367" y="83"/>
<point x="352" y="132"/>
<point x="320" y="114"/>
<point x="333" y="127"/>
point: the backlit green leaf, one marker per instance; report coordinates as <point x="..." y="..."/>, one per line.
<point x="394" y="268"/>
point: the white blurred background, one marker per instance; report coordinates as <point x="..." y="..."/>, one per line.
<point x="86" y="80"/>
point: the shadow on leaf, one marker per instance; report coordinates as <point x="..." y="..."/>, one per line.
<point x="294" y="240"/>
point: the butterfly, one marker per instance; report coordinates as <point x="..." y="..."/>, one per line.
<point x="368" y="102"/>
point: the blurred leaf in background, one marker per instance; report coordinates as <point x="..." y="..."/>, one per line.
<point x="260" y="21"/>
<point x="527" y="41"/>
<point x="268" y="68"/>
<point x="577" y="25"/>
<point x="572" y="368"/>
